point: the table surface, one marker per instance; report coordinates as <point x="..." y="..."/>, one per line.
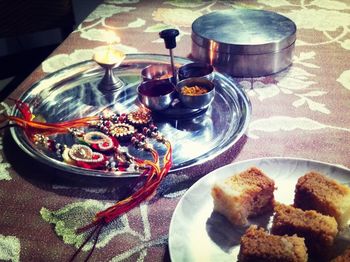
<point x="301" y="112"/>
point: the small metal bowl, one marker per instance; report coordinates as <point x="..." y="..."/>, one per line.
<point x="157" y="72"/>
<point x="200" y="101"/>
<point x="156" y="95"/>
<point x="196" y="69"/>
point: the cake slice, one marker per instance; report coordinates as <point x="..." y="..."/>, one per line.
<point x="325" y="195"/>
<point x="244" y="195"/>
<point x="345" y="257"/>
<point x="258" y="245"/>
<point x="318" y="230"/>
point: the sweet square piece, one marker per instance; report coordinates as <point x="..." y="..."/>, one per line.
<point x="318" y="230"/>
<point x="314" y="191"/>
<point x="258" y="245"/>
<point x="245" y="195"/>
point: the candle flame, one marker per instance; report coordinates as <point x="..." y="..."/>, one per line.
<point x="109" y="56"/>
<point x="112" y="37"/>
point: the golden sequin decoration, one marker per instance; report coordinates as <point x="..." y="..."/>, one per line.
<point x="121" y="130"/>
<point x="139" y="118"/>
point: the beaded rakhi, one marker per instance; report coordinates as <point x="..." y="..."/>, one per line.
<point x="98" y="146"/>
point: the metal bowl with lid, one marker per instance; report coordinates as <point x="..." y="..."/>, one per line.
<point x="244" y="42"/>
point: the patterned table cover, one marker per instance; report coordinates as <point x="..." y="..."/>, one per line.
<point x="301" y="112"/>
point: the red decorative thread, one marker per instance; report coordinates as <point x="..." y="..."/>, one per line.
<point x="153" y="173"/>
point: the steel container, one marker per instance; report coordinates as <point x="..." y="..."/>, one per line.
<point x="244" y="42"/>
<point x="196" y="101"/>
<point x="157" y="95"/>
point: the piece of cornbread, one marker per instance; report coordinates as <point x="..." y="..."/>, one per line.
<point x="259" y="246"/>
<point x="319" y="231"/>
<point x="315" y="191"/>
<point x="244" y="195"/>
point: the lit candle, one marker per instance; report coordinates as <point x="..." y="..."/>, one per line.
<point x="109" y="55"/>
<point x="109" y="58"/>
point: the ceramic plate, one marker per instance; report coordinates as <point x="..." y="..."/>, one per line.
<point x="199" y="234"/>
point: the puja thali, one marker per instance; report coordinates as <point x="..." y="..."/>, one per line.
<point x="196" y="136"/>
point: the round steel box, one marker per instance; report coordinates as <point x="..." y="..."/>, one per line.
<point x="244" y="42"/>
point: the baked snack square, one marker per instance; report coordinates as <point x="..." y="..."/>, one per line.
<point x="247" y="194"/>
<point x="319" y="231"/>
<point x="258" y="245"/>
<point x="315" y="191"/>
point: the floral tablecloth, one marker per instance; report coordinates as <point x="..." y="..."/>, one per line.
<point x="300" y="112"/>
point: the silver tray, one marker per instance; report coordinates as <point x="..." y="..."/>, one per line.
<point x="72" y="93"/>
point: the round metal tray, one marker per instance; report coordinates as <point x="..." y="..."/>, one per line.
<point x="72" y="92"/>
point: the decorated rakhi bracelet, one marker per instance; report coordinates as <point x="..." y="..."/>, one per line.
<point x="97" y="146"/>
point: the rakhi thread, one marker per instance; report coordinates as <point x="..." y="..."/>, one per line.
<point x="95" y="149"/>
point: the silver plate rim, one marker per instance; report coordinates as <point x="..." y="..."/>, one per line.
<point x="27" y="146"/>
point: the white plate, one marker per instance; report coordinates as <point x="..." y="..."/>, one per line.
<point x="198" y="234"/>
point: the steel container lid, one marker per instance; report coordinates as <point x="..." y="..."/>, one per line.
<point x="243" y="31"/>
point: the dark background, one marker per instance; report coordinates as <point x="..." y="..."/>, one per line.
<point x="30" y="31"/>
